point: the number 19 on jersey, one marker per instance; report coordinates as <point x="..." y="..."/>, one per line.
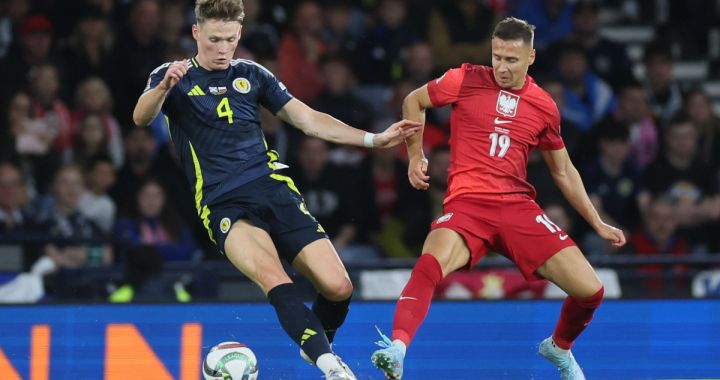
<point x="499" y="141"/>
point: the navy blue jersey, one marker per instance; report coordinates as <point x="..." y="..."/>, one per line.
<point x="214" y="122"/>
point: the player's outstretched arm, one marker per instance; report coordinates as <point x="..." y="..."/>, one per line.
<point x="151" y="101"/>
<point x="413" y="108"/>
<point x="326" y="127"/>
<point x="568" y="180"/>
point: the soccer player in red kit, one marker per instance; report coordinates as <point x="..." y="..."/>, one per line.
<point x="499" y="115"/>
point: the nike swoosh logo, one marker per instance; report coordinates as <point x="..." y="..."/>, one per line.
<point x="407" y="298"/>
<point x="563" y="237"/>
<point x="501" y="121"/>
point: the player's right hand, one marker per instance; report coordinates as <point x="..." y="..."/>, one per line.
<point x="174" y="73"/>
<point x="612" y="234"/>
<point x="417" y="173"/>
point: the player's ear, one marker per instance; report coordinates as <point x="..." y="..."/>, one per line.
<point x="195" y="31"/>
<point x="531" y="57"/>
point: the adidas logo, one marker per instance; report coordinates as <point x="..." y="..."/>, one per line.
<point x="196" y="91"/>
<point x="306" y="335"/>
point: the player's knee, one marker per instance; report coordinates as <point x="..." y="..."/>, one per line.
<point x="593" y="301"/>
<point x="339" y="289"/>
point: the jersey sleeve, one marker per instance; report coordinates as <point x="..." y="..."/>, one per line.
<point x="273" y="93"/>
<point x="156" y="76"/>
<point x="551" y="139"/>
<point x="446" y="89"/>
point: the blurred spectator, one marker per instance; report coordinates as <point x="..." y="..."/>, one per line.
<point x="91" y="141"/>
<point x="139" y="152"/>
<point x="13" y="199"/>
<point x="48" y="107"/>
<point x="31" y="49"/>
<point x="93" y="97"/>
<point x="658" y="235"/>
<point x="12" y="12"/>
<point x="31" y="144"/>
<point x="552" y="19"/>
<point x="699" y="110"/>
<point x="633" y="109"/>
<point x="662" y="89"/>
<point x="381" y="183"/>
<point x="344" y="26"/>
<point x="459" y="32"/>
<point x="608" y="59"/>
<point x="337" y="101"/>
<point x="33" y="136"/>
<point x="300" y="50"/>
<point x="572" y="136"/>
<point x="88" y="51"/>
<point x="95" y="203"/>
<point x="614" y="184"/>
<point x="327" y="192"/>
<point x="404" y="233"/>
<point x="681" y="174"/>
<point x="174" y="26"/>
<point x="258" y="38"/>
<point x="379" y="57"/>
<point x="419" y="64"/>
<point x="139" y="49"/>
<point x="587" y="97"/>
<point x="76" y="241"/>
<point x="152" y="221"/>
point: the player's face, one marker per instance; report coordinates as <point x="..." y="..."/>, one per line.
<point x="510" y="61"/>
<point x="216" y="41"/>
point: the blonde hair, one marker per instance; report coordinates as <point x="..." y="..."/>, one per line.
<point x="223" y="10"/>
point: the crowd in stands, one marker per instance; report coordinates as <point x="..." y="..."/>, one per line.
<point x="89" y="189"/>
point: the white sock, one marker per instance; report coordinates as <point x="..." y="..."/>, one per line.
<point x="328" y="361"/>
<point x="401" y="345"/>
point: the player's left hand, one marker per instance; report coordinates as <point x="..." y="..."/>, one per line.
<point x="614" y="235"/>
<point x="396" y="134"/>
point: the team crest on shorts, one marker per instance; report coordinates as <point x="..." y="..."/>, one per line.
<point x="225" y="225"/>
<point x="241" y="85"/>
<point x="444" y="218"/>
<point x="507" y="103"/>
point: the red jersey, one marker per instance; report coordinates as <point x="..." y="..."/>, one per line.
<point x="492" y="131"/>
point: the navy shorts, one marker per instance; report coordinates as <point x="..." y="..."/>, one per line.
<point x="272" y="203"/>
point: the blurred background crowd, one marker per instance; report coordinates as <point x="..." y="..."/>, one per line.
<point x="84" y="192"/>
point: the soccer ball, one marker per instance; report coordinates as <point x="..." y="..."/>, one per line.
<point x="230" y="361"/>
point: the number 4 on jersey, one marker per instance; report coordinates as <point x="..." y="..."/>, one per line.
<point x="224" y="110"/>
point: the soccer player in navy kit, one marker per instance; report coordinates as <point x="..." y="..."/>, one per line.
<point x="253" y="214"/>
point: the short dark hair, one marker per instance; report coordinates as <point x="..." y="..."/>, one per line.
<point x="512" y="28"/>
<point x="658" y="50"/>
<point x="223" y="10"/>
<point x="610" y="130"/>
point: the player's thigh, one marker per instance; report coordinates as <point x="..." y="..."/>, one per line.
<point x="252" y="251"/>
<point x="319" y="262"/>
<point x="449" y="249"/>
<point x="571" y="272"/>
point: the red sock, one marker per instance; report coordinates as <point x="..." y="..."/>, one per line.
<point x="414" y="302"/>
<point x="575" y="316"/>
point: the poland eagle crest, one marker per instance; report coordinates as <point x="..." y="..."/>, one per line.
<point x="507" y="103"/>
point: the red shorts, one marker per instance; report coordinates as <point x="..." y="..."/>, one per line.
<point x="515" y="227"/>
